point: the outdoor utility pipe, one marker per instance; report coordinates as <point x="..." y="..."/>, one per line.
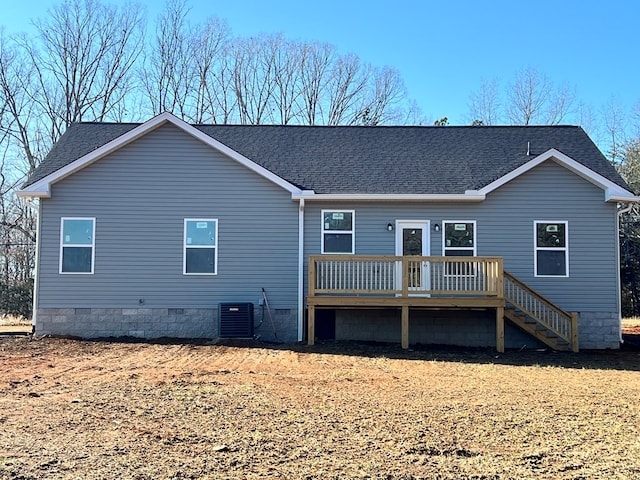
<point x="300" y="269"/>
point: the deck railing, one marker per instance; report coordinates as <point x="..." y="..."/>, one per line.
<point x="405" y="275"/>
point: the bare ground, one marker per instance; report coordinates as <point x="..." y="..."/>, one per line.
<point x="79" y="409"/>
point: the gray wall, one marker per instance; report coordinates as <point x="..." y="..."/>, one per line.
<point x="505" y="228"/>
<point x="140" y="196"/>
<point x="472" y="328"/>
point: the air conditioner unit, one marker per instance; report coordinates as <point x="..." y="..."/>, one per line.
<point x="236" y="320"/>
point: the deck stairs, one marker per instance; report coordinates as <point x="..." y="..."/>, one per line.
<point x="538" y="316"/>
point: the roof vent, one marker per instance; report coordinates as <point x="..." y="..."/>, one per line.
<point x="528" y="149"/>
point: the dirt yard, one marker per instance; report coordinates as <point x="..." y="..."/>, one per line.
<point x="99" y="410"/>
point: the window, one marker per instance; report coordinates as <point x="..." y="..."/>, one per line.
<point x="551" y="255"/>
<point x="77" y="242"/>
<point x="337" y="231"/>
<point x="200" y="246"/>
<point x="459" y="240"/>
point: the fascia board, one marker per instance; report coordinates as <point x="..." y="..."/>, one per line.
<point x="617" y="197"/>
<point x="570" y="164"/>
<point x="27" y="194"/>
<point x="390" y="197"/>
<point x="42" y="188"/>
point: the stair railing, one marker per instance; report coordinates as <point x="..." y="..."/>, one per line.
<point x="546" y="313"/>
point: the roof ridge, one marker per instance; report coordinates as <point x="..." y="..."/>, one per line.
<point x="275" y="125"/>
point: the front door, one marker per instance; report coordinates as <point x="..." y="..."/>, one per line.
<point x="412" y="238"/>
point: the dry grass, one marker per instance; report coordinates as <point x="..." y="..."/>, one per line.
<point x="12" y="320"/>
<point x="73" y="409"/>
<point x="631" y="322"/>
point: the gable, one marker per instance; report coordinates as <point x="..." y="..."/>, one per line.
<point x="612" y="191"/>
<point x="42" y="186"/>
<point x="164" y="163"/>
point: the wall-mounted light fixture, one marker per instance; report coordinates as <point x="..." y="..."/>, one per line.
<point x="436" y="227"/>
<point x="390" y="227"/>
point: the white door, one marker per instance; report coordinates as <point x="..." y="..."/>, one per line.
<point x="412" y="238"/>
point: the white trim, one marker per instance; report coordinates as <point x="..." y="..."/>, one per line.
<point x="613" y="192"/>
<point x="301" y="270"/>
<point x="42" y="188"/>
<point x="352" y="231"/>
<point x="564" y="249"/>
<point x="472" y="196"/>
<point x="471" y="267"/>
<point x="78" y="245"/>
<point x="610" y="197"/>
<point x="426" y="251"/>
<point x="473" y="249"/>
<point x="185" y="246"/>
<point x="36" y="272"/>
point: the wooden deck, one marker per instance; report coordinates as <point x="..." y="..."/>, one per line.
<point x="351" y="281"/>
<point x="406" y="282"/>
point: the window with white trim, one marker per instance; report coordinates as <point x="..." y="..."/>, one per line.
<point x="200" y="246"/>
<point x="338" y="228"/>
<point x="459" y="240"/>
<point x="77" y="244"/>
<point x="551" y="249"/>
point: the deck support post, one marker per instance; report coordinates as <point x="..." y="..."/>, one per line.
<point x="500" y="329"/>
<point x="574" y="332"/>
<point x="405" y="326"/>
<point x="311" y="324"/>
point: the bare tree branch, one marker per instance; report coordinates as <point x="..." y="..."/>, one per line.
<point x="484" y="105"/>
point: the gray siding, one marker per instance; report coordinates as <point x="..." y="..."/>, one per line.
<point x="140" y="196"/>
<point x="505" y="223"/>
<point x="505" y="228"/>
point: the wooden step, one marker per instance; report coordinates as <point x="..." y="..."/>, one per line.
<point x="535" y="329"/>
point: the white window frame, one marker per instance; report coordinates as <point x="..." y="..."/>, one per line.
<point x="473" y="250"/>
<point x="185" y="246"/>
<point x="78" y="245"/>
<point x="352" y="231"/>
<point x="564" y="249"/>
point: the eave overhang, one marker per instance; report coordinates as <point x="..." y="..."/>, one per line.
<point x="390" y="197"/>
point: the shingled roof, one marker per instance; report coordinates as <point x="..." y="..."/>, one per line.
<point x="369" y="160"/>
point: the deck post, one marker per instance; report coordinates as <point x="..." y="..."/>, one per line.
<point x="405" y="326"/>
<point x="574" y="332"/>
<point x="500" y="329"/>
<point x="311" y="324"/>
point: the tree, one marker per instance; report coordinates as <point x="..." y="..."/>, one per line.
<point x="20" y="123"/>
<point x="168" y="74"/>
<point x="629" y="168"/>
<point x="386" y="92"/>
<point x="315" y="61"/>
<point x="614" y="123"/>
<point x="254" y="74"/>
<point x="527" y="96"/>
<point x="484" y="104"/>
<point x="83" y="65"/>
<point x="530" y="98"/>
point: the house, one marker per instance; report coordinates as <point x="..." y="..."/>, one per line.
<point x="402" y="234"/>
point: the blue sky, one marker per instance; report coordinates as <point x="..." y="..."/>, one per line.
<point x="444" y="49"/>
